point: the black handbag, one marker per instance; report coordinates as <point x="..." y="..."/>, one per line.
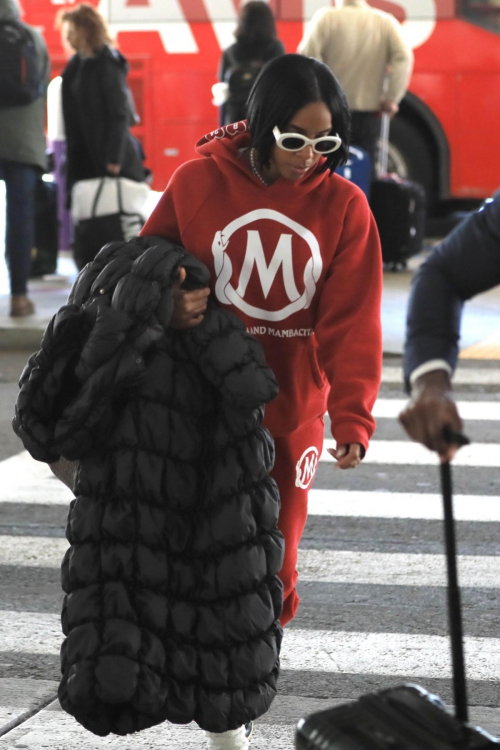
<point x="407" y="717"/>
<point x="93" y="233"/>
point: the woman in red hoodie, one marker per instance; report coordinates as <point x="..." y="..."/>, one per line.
<point x="293" y="250"/>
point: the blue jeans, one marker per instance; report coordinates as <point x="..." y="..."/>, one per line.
<point x="20" y="182"/>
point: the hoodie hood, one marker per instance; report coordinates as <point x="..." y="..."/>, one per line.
<point x="9" y="10"/>
<point x="225" y="146"/>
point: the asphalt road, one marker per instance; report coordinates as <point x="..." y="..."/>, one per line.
<point x="373" y="609"/>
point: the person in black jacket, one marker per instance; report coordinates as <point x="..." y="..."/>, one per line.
<point x="466" y="263"/>
<point x="256" y="44"/>
<point x="97" y="104"/>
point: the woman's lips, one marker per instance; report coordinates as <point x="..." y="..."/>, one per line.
<point x="299" y="170"/>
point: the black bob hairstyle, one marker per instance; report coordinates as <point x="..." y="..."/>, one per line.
<point x="287" y="84"/>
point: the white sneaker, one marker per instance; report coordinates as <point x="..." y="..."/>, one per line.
<point x="235" y="739"/>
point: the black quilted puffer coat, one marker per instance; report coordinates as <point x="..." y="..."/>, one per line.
<point x="172" y="596"/>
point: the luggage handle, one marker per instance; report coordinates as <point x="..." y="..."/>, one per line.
<point x="383" y="150"/>
<point x="454" y="604"/>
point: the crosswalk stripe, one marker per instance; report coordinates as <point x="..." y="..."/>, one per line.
<point x="331" y="566"/>
<point x="54" y="729"/>
<point x="394" y="568"/>
<point x="386" y="654"/>
<point x="399" y="452"/>
<point x="429" y="507"/>
<point x="30" y="632"/>
<point x="29" y="551"/>
<point x="24" y="480"/>
<point x="480" y="410"/>
<point x="315" y="650"/>
<point x="463" y="376"/>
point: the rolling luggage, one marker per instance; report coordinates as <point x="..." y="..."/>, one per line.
<point x="44" y="253"/>
<point x="406" y="717"/>
<point x="358" y="169"/>
<point x="399" y="208"/>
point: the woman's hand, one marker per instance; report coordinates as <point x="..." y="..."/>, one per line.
<point x="189" y="307"/>
<point x="348" y="456"/>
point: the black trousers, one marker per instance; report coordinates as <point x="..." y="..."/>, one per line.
<point x="365" y="131"/>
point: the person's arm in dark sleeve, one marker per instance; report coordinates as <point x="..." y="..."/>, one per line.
<point x="465" y="264"/>
<point x="117" y="110"/>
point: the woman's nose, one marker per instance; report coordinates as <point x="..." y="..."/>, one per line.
<point x="307" y="152"/>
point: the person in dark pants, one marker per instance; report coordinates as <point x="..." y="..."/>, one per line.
<point x="255" y="44"/>
<point x="366" y="51"/>
<point x="22" y="158"/>
<point x="97" y="104"/>
<point x="463" y="265"/>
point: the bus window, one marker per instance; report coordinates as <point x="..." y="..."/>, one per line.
<point x="485" y="13"/>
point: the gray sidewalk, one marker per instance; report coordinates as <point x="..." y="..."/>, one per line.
<point x="481" y="317"/>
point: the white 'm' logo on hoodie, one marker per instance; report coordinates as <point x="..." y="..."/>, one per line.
<point x="255" y="257"/>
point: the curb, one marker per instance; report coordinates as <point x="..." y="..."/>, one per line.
<point x="20" y="338"/>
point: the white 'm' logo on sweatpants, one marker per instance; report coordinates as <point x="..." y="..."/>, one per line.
<point x="306" y="467"/>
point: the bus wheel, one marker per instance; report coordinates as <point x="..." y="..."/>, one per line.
<point x="410" y="156"/>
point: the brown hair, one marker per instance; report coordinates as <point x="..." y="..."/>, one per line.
<point x="86" y="17"/>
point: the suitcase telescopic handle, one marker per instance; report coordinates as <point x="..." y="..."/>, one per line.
<point x="383" y="147"/>
<point x="454" y="605"/>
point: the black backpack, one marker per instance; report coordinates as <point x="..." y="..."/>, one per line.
<point x="240" y="78"/>
<point x="19" y="65"/>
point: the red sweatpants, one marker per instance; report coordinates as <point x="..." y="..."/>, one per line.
<point x="297" y="456"/>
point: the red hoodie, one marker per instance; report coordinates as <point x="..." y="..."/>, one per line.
<point x="300" y="264"/>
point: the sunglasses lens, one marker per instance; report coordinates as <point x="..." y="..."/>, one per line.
<point x="292" y="144"/>
<point x="324" y="147"/>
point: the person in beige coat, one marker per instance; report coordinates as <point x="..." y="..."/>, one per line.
<point x="366" y="51"/>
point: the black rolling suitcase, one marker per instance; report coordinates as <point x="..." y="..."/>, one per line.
<point x="399" y="208"/>
<point x="45" y="250"/>
<point x="406" y="717"/>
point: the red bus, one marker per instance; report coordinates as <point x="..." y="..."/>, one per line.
<point x="446" y="135"/>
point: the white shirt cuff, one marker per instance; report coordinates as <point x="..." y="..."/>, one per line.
<point x="432" y="364"/>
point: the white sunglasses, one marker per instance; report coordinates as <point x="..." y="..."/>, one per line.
<point x="296" y="142"/>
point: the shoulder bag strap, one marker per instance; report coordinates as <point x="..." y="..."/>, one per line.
<point x="96" y="197"/>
